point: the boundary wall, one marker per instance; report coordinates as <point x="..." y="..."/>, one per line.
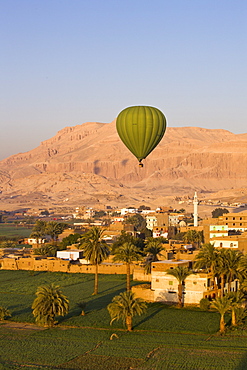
<point x="59" y="265"/>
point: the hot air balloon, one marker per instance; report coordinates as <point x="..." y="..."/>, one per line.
<point x="141" y="128"/>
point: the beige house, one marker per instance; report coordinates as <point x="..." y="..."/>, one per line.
<point x="238" y="242"/>
<point x="235" y="221"/>
<point x="164" y="287"/>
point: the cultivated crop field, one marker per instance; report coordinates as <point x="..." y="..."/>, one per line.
<point x="11" y="231"/>
<point x="163" y="338"/>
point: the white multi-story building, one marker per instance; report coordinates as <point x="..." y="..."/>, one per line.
<point x="218" y="231"/>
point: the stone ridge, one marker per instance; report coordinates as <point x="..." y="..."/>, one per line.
<point x="88" y="163"/>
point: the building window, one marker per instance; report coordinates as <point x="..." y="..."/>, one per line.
<point x="231" y="244"/>
<point x="157" y="280"/>
<point x="170" y="282"/>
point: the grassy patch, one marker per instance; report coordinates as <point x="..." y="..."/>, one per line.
<point x="164" y="338"/>
<point x="17" y="292"/>
<point x="193" y="358"/>
<point x="11" y="231"/>
<point x="92" y="362"/>
<point x="89" y="349"/>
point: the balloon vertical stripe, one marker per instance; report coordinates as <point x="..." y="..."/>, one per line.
<point x="141" y="128"/>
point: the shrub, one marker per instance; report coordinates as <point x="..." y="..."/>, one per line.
<point x="8" y="244"/>
<point x="82" y="306"/>
<point x="204" y="304"/>
<point x="4" y="313"/>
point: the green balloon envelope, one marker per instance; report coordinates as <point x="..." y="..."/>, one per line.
<point x="141" y="128"/>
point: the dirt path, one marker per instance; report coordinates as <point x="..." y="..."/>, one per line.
<point x="21" y="326"/>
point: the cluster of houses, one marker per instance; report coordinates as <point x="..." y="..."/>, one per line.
<point x="226" y="231"/>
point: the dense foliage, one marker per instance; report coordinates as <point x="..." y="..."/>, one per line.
<point x="70" y="239"/>
<point x="51" y="228"/>
<point x="217" y="212"/>
<point x="137" y="220"/>
<point x="127" y="238"/>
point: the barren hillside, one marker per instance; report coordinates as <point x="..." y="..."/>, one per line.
<point x="88" y="164"/>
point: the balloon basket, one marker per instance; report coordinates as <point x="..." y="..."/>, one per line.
<point x="140" y="165"/>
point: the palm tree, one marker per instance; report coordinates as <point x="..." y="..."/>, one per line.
<point x="127" y="253"/>
<point x="95" y="250"/>
<point x="207" y="258"/>
<point x="46" y="250"/>
<point x="153" y="251"/>
<point x="125" y="306"/>
<point x="242" y="269"/>
<point x="222" y="268"/>
<point x="53" y="229"/>
<point x="50" y="302"/>
<point x="124" y="237"/>
<point x="180" y="273"/>
<point x="193" y="237"/>
<point x="222" y="305"/>
<point x="39" y="230"/>
<point x="237" y="300"/>
<point x="232" y="261"/>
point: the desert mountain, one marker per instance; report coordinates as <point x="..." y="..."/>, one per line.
<point x="88" y="164"/>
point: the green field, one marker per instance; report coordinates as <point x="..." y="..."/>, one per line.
<point x="164" y="338"/>
<point x="10" y="231"/>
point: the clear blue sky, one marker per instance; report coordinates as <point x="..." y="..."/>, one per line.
<point x="66" y="62"/>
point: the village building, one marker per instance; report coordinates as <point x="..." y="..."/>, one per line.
<point x="237" y="242"/>
<point x="162" y="224"/>
<point x="131" y="210"/>
<point x="70" y="254"/>
<point x="235" y="221"/>
<point x="164" y="287"/>
<point x="212" y="230"/>
<point x="35" y="241"/>
<point x="83" y="213"/>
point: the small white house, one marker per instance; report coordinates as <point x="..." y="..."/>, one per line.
<point x="125" y="211"/>
<point x="35" y="241"/>
<point x="70" y="254"/>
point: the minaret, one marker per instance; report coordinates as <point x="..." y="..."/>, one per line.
<point x="195" y="202"/>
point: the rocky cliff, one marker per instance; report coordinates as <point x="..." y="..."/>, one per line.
<point x="89" y="164"/>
